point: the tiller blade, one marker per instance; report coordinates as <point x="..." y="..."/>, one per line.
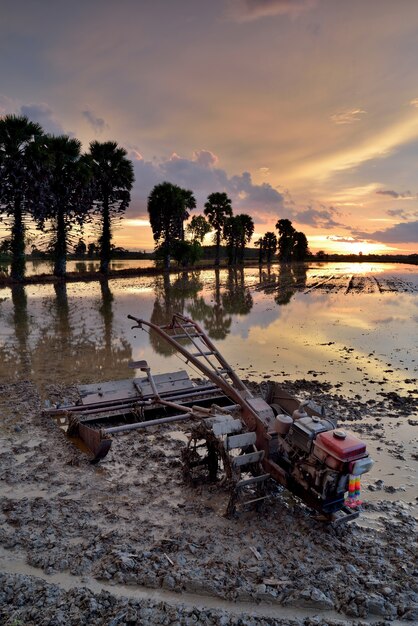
<point x="97" y="441"/>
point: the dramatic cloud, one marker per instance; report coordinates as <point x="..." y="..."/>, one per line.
<point x="348" y="117"/>
<point x="402" y="214"/>
<point x="97" y="123"/>
<point x="248" y="10"/>
<point x="406" y="232"/>
<point x="44" y="115"/>
<point x="201" y="176"/>
<point x="318" y="218"/>
<point x="205" y="158"/>
<point x="394" y="194"/>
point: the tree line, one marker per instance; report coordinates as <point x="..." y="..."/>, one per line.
<point x="48" y="180"/>
<point x="169" y="206"/>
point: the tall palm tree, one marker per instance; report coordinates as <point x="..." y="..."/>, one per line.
<point x="19" y="139"/>
<point x="218" y="209"/>
<point x="68" y="196"/>
<point x="232" y="236"/>
<point x="286" y="239"/>
<point x="270" y="245"/>
<point x="300" y="247"/>
<point x="246" y="223"/>
<point x="260" y="245"/>
<point x="168" y="207"/>
<point x="113" y="177"/>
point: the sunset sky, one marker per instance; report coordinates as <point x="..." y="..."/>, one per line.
<point x="298" y="109"/>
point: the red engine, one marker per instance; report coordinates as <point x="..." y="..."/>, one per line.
<point x="319" y="460"/>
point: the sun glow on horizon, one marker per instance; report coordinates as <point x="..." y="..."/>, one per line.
<point x="343" y="245"/>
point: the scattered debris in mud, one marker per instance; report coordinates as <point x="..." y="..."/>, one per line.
<point x="133" y="524"/>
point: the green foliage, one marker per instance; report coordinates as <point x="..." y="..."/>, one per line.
<point x="168" y="207"/>
<point x="218" y="209"/>
<point x="198" y="228"/>
<point x="186" y="253"/>
<point x="293" y="245"/>
<point x="270" y="245"/>
<point x="67" y="195"/>
<point x="19" y="184"/>
<point x="300" y="247"/>
<point x="5" y="246"/>
<point x="237" y="232"/>
<point x="113" y="177"/>
<point x="80" y="248"/>
<point x="286" y="239"/>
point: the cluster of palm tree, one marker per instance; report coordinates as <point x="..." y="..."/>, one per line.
<point x="169" y="206"/>
<point x="46" y="180"/>
<point x="291" y="245"/>
<point x="235" y="230"/>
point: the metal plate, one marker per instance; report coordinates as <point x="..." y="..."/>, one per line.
<point x="107" y="391"/>
<point x="176" y="381"/>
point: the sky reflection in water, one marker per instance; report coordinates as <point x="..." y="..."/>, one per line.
<point x="266" y="324"/>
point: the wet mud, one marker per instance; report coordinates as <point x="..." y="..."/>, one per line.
<point x="128" y="542"/>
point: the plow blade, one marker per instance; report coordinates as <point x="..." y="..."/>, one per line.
<point x="96" y="441"/>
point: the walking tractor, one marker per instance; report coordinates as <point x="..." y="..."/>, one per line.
<point x="245" y="442"/>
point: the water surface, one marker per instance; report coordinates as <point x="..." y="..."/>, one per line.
<point x="352" y="325"/>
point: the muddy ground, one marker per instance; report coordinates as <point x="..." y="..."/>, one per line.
<point x="127" y="542"/>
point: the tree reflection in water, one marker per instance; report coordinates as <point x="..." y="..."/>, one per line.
<point x="183" y="297"/>
<point x="237" y="298"/>
<point x="15" y="354"/>
<point x="68" y="344"/>
<point x="213" y="316"/>
<point x="290" y="279"/>
<point x="171" y="298"/>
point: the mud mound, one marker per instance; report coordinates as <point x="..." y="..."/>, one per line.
<point x="131" y="522"/>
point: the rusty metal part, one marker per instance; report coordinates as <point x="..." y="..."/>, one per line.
<point x="244" y="440"/>
<point x="99" y="407"/>
<point x="237" y="391"/>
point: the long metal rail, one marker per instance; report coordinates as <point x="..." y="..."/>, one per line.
<point x="183" y="327"/>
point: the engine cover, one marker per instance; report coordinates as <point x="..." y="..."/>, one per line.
<point x="303" y="432"/>
<point x="338" y="447"/>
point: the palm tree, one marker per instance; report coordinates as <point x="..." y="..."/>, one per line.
<point x="218" y="209"/>
<point x="113" y="177"/>
<point x="68" y="196"/>
<point x="198" y="228"/>
<point x="300" y="247"/>
<point x="232" y="234"/>
<point x="19" y="140"/>
<point x="270" y="245"/>
<point x="246" y="223"/>
<point x="168" y="207"/>
<point x="286" y="239"/>
<point x="260" y="245"/>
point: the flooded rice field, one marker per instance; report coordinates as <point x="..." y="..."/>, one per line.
<point x="127" y="540"/>
<point x="350" y="329"/>
<point x="36" y="267"/>
<point x="342" y="324"/>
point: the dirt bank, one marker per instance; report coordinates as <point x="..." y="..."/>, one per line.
<point x="84" y="544"/>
